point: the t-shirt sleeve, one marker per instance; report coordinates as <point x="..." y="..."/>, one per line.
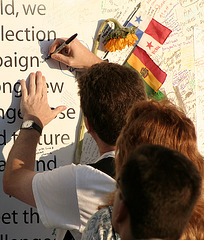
<point x="93" y="186"/>
<point x="68" y="196"/>
<point x="56" y="198"/>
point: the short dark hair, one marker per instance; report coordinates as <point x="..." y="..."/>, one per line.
<point x="107" y="91"/>
<point x="160" y="187"/>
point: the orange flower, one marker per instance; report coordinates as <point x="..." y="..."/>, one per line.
<point x="120" y="43"/>
<point x="118" y="38"/>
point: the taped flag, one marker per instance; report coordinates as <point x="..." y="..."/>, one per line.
<point x="152" y="75"/>
<point x="151" y="34"/>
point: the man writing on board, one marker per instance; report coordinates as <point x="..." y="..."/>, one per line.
<point x="67" y="196"/>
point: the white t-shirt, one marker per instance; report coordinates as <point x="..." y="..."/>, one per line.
<point x="68" y="196"/>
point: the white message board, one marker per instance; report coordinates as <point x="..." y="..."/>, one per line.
<point x="27" y="28"/>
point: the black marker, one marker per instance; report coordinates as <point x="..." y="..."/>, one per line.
<point x="64" y="44"/>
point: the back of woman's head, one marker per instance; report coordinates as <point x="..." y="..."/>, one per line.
<point x="159" y="123"/>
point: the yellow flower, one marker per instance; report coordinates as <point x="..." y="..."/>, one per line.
<point x="131" y="38"/>
<point x="118" y="44"/>
<point x="118" y="39"/>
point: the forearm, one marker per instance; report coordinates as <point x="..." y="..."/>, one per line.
<point x="22" y="154"/>
<point x="21" y="162"/>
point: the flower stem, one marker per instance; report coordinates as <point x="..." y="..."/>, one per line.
<point x="96" y="41"/>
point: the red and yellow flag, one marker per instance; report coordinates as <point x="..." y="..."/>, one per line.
<point x="152" y="75"/>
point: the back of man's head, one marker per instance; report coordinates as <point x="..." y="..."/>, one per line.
<point x="107" y="91"/>
<point x="160" y="187"/>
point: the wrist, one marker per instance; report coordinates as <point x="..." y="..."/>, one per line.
<point x="33" y="118"/>
<point x="31" y="125"/>
<point x="94" y="60"/>
<point x="29" y="137"/>
<point x="98" y="60"/>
